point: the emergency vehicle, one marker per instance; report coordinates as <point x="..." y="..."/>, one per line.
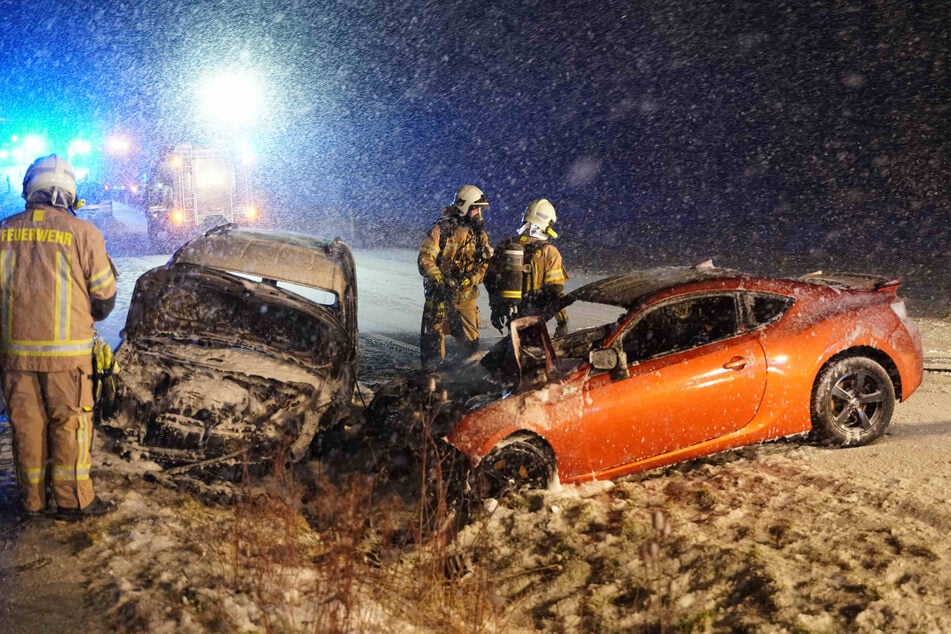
<point x="192" y="188"/>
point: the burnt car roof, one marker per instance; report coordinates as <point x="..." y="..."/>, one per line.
<point x="285" y="256"/>
<point x="627" y="289"/>
<point x="858" y="281"/>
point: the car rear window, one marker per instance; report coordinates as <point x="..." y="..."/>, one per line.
<point x="765" y="309"/>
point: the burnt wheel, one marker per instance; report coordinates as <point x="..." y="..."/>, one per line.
<point x="515" y="464"/>
<point x="852" y="402"/>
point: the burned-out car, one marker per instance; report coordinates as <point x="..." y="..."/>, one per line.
<point x="243" y="345"/>
<point x="687" y="361"/>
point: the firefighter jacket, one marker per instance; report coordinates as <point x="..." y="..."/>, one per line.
<point x="53" y="267"/>
<point x="543" y="278"/>
<point x="456" y="255"/>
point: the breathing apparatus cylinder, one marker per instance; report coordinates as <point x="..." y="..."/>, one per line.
<point x="510" y="277"/>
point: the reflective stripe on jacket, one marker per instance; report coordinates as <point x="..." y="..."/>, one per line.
<point x="51" y="265"/>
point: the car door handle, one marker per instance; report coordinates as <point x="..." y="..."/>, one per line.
<point x="736" y="363"/>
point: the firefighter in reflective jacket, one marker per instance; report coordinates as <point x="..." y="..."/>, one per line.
<point x="452" y="260"/>
<point x="55" y="280"/>
<point x="526" y="275"/>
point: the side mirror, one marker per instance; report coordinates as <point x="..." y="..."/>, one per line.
<point x="610" y="359"/>
<point x="603" y="358"/>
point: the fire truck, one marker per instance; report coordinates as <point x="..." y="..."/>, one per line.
<point x="192" y="188"/>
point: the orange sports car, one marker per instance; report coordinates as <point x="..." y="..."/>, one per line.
<point x="692" y="361"/>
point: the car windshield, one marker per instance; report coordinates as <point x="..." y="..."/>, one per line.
<point x="316" y="295"/>
<point x="592" y="322"/>
<point x="200" y="313"/>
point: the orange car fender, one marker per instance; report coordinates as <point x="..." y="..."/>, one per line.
<point x="883" y="331"/>
<point x="797" y="356"/>
<point x="542" y="412"/>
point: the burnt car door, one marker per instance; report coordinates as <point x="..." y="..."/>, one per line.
<point x="692" y="375"/>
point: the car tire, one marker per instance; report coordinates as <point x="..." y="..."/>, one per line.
<point x="514" y="465"/>
<point x="852" y="403"/>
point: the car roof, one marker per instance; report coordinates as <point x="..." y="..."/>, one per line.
<point x="290" y="257"/>
<point x="627" y="289"/>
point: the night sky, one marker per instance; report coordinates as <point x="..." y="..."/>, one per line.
<point x="662" y="131"/>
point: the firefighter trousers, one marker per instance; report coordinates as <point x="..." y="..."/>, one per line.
<point x="51" y="417"/>
<point x="460" y="319"/>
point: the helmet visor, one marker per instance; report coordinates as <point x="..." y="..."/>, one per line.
<point x="476" y="208"/>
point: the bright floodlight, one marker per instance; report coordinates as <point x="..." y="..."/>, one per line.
<point x="229" y="98"/>
<point x="34" y="145"/>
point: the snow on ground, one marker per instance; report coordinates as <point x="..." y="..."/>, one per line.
<point x="781" y="537"/>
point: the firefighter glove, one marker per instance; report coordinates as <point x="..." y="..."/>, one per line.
<point x="104" y="371"/>
<point x="438" y="290"/>
<point x="453" y="286"/>
<point x="500" y="317"/>
<point x="447" y="291"/>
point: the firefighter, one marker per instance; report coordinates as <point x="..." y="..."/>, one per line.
<point x="526" y="275"/>
<point x="452" y="260"/>
<point x="55" y="281"/>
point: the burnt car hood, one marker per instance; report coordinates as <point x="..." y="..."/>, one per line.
<point x="180" y="407"/>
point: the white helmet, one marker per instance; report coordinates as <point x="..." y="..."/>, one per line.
<point x="470" y="200"/>
<point x="541" y="214"/>
<point x="50" y="180"/>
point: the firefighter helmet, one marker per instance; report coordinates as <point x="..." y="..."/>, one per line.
<point x="51" y="180"/>
<point x="541" y="213"/>
<point x="470" y="199"/>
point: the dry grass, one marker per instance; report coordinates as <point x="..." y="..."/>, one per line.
<point x="358" y="551"/>
<point x="326" y="548"/>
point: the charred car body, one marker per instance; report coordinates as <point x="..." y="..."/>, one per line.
<point x="245" y="341"/>
<point x="692" y="361"/>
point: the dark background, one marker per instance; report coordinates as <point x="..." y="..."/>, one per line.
<point x="776" y="136"/>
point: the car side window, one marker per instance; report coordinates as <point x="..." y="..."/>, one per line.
<point x="681" y="325"/>
<point x="765" y="309"/>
